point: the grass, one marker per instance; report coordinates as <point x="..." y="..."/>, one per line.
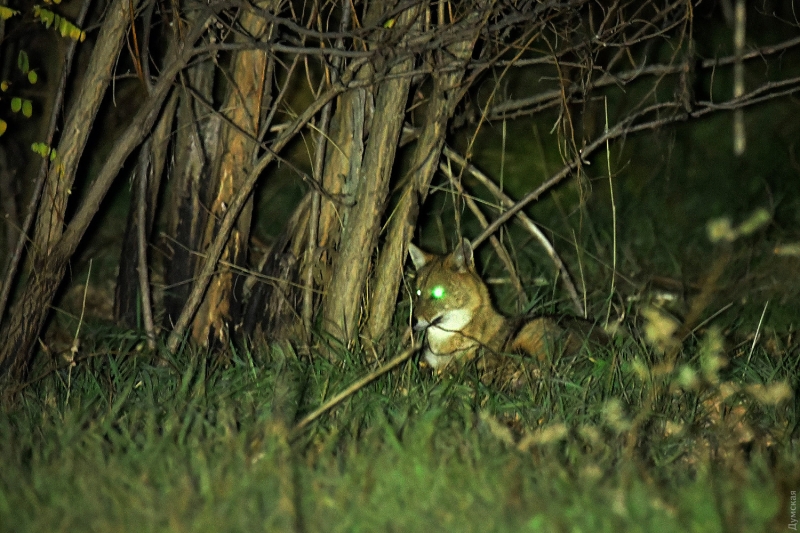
<point x="700" y="437"/>
<point x="617" y="442"/>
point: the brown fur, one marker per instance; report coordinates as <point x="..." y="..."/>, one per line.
<point x="453" y="306"/>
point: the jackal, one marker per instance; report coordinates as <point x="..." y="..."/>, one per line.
<point x="453" y="307"/>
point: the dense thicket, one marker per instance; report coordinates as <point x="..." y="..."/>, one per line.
<point x="183" y="114"/>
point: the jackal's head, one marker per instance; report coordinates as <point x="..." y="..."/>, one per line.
<point x="449" y="294"/>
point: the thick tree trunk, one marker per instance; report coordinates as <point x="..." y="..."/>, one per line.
<point x="234" y="161"/>
<point x="28" y="316"/>
<point x="445" y="96"/>
<point x="196" y="142"/>
<point x="359" y="236"/>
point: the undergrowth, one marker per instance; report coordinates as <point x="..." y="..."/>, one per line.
<point x="619" y="439"/>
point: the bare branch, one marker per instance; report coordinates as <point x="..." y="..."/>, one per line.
<point x="630" y="125"/>
<point x="527" y="223"/>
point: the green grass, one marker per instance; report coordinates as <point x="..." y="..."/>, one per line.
<point x="123" y="444"/>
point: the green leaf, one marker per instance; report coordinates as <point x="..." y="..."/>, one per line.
<point x="42" y="149"/>
<point x="4" y="85"/>
<point x="3" y="126"/>
<point x="27" y="108"/>
<point x="22" y="61"/>
<point x="45" y="15"/>
<point x="62" y="25"/>
<point x="32" y="77"/>
<point x="16" y="104"/>
<point x="5" y="14"/>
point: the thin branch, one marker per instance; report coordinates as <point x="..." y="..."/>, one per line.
<point x="546" y="99"/>
<point x="145" y="168"/>
<point x="628" y="126"/>
<point x="501" y="251"/>
<point x="288" y="49"/>
<point x="527" y="223"/>
<point x="349" y="391"/>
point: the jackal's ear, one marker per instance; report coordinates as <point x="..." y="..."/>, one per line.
<point x="418" y="257"/>
<point x="462" y="257"/>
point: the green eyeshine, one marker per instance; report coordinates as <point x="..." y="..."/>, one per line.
<point x="438" y="292"/>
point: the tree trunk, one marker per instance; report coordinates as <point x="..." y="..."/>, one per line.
<point x="28" y="314"/>
<point x="446" y="94"/>
<point x="53" y="206"/>
<point x="50" y="264"/>
<point x="360" y="228"/>
<point x="196" y="142"/>
<point x="127" y="295"/>
<point x="233" y="162"/>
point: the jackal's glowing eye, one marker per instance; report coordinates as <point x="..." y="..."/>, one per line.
<point x="438" y="292"/>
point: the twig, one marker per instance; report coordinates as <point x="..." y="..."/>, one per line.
<point x="707" y="320"/>
<point x="526" y="106"/>
<point x="758" y="332"/>
<point x="613" y="219"/>
<point x="529" y="224"/>
<point x="496" y="244"/>
<point x="629" y="126"/>
<point x="141" y="238"/>
<point x="349" y="391"/>
<point x="73" y="350"/>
